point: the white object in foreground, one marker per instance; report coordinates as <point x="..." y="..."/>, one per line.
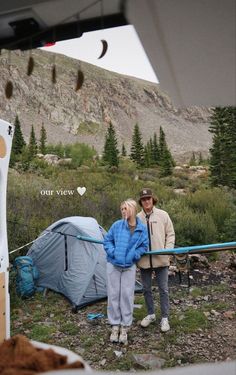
<point x="6" y="135"/>
<point x="71" y="356"/>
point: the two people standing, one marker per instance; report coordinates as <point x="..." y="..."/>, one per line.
<point x="125" y="244"/>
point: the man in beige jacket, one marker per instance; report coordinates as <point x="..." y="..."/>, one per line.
<point x="161" y="236"/>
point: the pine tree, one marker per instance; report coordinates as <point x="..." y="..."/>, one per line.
<point x="200" y="159"/>
<point x="123" y="151"/>
<point x="166" y="160"/>
<point x="166" y="163"/>
<point x="149" y="149"/>
<point x="111" y="152"/>
<point x="219" y="160"/>
<point x="156" y="151"/>
<point x="192" y="161"/>
<point x="42" y="141"/>
<point x="18" y="142"/>
<point x="231" y="145"/>
<point x="137" y="149"/>
<point x="147" y="155"/>
<point x="162" y="141"/>
<point x="32" y="147"/>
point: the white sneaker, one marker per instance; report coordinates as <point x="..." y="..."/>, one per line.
<point x="123" y="339"/>
<point x="148" y="320"/>
<point x="165" y="325"/>
<point x="114" y="334"/>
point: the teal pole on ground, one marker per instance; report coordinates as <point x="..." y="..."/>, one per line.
<point x="178" y="250"/>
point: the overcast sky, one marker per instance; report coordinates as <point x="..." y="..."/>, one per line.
<point x="125" y="53"/>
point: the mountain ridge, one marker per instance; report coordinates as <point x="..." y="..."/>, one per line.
<point x="105" y="97"/>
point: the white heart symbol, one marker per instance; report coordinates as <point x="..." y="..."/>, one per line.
<point x="81" y="190"/>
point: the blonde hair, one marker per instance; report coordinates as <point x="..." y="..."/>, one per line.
<point x="131" y="204"/>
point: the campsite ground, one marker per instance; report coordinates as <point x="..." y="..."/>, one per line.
<point x="202" y="320"/>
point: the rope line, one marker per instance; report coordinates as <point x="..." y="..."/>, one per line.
<point x="83" y="238"/>
<point x="21" y="247"/>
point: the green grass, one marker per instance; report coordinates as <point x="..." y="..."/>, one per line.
<point x="69" y="329"/>
<point x="41" y="333"/>
<point x="212" y="257"/>
<point x="218" y="306"/>
<point x="124" y="363"/>
<point x="197" y="292"/>
<point x="191" y="320"/>
<point x="37" y="316"/>
<point x="88" y="341"/>
<point x="139" y="313"/>
<point x="219" y="288"/>
<point x="186" y="322"/>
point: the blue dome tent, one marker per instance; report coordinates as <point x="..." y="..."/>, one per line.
<point x="70" y="266"/>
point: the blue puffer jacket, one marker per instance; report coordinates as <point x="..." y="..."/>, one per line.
<point x="123" y="248"/>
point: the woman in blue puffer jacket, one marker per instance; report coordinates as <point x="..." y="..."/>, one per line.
<point x="125" y="243"/>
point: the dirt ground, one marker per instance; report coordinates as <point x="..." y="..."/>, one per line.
<point x="203" y="324"/>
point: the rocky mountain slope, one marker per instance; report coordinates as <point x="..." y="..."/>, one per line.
<point x="105" y="96"/>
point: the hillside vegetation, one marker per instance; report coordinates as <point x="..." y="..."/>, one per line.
<point x="35" y="200"/>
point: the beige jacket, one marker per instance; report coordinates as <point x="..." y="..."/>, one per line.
<point x="162" y="237"/>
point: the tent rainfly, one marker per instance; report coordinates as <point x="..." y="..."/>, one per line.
<point x="70" y="266"/>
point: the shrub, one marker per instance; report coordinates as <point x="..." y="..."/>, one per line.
<point x="79" y="152"/>
<point x="127" y="166"/>
<point x="204" y="217"/>
<point x="230" y="228"/>
<point x="216" y="202"/>
<point x="191" y="229"/>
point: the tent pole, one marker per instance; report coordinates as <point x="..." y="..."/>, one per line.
<point x="179" y="250"/>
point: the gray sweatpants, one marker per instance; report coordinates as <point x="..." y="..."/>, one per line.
<point x="120" y="291"/>
<point x="161" y="274"/>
